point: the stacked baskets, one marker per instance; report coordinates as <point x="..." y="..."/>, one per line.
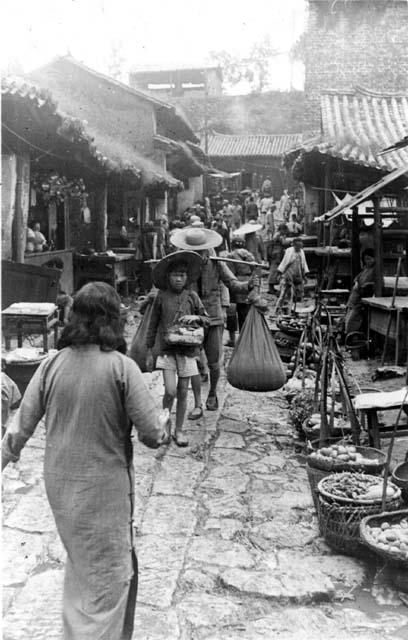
<point x="340" y="516"/>
<point x="318" y="467"/>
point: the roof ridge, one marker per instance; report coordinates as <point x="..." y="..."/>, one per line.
<point x="253" y="135"/>
<point x="363" y="91"/>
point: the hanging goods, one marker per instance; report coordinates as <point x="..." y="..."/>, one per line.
<point x="255" y="364"/>
<point x="138" y="348"/>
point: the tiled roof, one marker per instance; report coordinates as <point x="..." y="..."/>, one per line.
<point x="357" y="126"/>
<point x="112" y="154"/>
<point x="220" y="145"/>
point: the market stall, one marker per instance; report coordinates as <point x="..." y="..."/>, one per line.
<point x="106" y="266"/>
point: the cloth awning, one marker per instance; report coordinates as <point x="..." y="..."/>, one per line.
<point x="363" y="195"/>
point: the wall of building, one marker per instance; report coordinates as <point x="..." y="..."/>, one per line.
<point x="191" y="194"/>
<point x="8" y="202"/>
<point x="352" y="42"/>
<point x="106" y="109"/>
<point x="255" y="170"/>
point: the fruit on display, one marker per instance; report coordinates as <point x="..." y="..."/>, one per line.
<point x="343" y="453"/>
<point x="288" y="323"/>
<point x="357" y="486"/>
<point x="314" y="423"/>
<point x="391" y="537"/>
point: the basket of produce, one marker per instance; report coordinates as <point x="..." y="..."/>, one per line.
<point x="311" y="426"/>
<point x="291" y="325"/>
<point x="314" y="474"/>
<point x="400" y="478"/>
<point x="347" y="457"/>
<point x="387" y="535"/>
<point x="344" y="500"/>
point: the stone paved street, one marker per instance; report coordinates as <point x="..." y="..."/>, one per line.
<point x="227" y="541"/>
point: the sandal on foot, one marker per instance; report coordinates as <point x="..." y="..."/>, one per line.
<point x="196" y="413"/>
<point x="180" y="440"/>
<point x="212" y="403"/>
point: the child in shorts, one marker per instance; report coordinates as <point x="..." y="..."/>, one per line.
<point x="175" y="303"/>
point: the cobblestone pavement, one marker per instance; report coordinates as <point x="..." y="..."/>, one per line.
<point x="227" y="541"/>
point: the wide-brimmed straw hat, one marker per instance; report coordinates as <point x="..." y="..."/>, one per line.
<point x="249" y="227"/>
<point x="193" y="261"/>
<point x="196" y="239"/>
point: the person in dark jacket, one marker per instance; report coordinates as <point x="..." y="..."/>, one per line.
<point x="363" y="287"/>
<point x="175" y="303"/>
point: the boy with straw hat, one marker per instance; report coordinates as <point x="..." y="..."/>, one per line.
<point x="203" y="241"/>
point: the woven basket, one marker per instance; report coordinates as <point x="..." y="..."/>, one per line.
<point x="376" y="521"/>
<point x="400" y="478"/>
<point x="330" y="497"/>
<point x="331" y="464"/>
<point x="340" y="524"/>
<point x="313" y="434"/>
<point x="314" y="476"/>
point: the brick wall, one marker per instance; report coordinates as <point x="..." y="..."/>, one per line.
<point x="350" y="42"/>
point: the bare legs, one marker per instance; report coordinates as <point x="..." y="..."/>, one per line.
<point x="176" y="389"/>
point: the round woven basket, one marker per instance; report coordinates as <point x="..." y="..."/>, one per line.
<point x="376" y="521"/>
<point x="313" y="434"/>
<point x="330" y="497"/>
<point x="400" y="478"/>
<point x="340" y="524"/>
<point x="314" y="476"/>
<point x="376" y="467"/>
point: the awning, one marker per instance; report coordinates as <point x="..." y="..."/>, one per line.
<point x="363" y="195"/>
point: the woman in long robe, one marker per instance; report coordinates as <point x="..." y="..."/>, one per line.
<point x="90" y="394"/>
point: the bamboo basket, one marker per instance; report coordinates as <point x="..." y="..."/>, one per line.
<point x="340" y="519"/>
<point x="376" y="467"/>
<point x="369" y="541"/>
<point x="400" y="478"/>
<point x="340" y="523"/>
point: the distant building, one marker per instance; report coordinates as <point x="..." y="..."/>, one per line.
<point x="182" y="81"/>
<point x="354" y="42"/>
<point x="254" y="157"/>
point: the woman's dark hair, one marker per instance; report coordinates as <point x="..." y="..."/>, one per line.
<point x="95" y="319"/>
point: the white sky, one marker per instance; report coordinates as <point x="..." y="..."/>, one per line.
<point x="153" y="32"/>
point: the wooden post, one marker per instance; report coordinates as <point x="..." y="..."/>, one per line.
<point x="22" y="205"/>
<point x="378" y="248"/>
<point x="8" y="202"/>
<point x="101" y="216"/>
<point x="355" y="244"/>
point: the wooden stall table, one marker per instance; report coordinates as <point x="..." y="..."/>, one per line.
<point x="30" y="317"/>
<point x="379" y="311"/>
<point x="402" y="286"/>
<point x="369" y="404"/>
<point x="113" y="269"/>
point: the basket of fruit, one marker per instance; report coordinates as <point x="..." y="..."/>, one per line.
<point x="347" y="457"/>
<point x="314" y="474"/>
<point x="311" y="426"/>
<point x="291" y="325"/>
<point x="344" y="500"/>
<point x="400" y="478"/>
<point x="387" y="535"/>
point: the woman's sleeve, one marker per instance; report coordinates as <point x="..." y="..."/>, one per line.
<point x="25" y="420"/>
<point x="140" y="406"/>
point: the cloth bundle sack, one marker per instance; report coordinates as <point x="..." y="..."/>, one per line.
<point x="138" y="348"/>
<point x="255" y="364"/>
